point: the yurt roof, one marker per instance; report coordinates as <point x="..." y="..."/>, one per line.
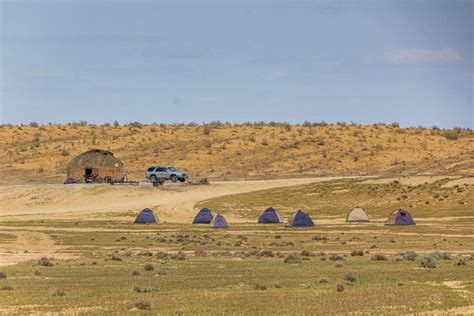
<point x="95" y="158"/>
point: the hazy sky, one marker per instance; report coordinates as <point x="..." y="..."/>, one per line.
<point x="181" y="61"/>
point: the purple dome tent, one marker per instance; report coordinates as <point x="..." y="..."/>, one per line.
<point x="219" y="222"/>
<point x="300" y="219"/>
<point x="204" y="216"/>
<point x="400" y="218"/>
<point x="270" y="216"/>
<point x="146" y="216"/>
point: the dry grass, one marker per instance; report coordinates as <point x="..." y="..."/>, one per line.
<point x="250" y="268"/>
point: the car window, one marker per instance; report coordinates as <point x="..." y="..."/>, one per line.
<point x="160" y="169"/>
<point x="172" y="168"/>
<point x="151" y="169"/>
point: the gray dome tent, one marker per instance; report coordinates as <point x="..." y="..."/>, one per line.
<point x="357" y="215"/>
<point x="400" y="218"/>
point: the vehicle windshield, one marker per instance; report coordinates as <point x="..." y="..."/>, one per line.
<point x="172" y="168"/>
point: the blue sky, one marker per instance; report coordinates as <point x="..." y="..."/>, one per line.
<point x="182" y="61"/>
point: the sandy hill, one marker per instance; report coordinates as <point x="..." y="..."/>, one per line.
<point x="223" y="151"/>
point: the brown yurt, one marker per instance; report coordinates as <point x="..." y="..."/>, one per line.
<point x="95" y="161"/>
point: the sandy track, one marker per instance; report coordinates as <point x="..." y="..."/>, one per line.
<point x="28" y="245"/>
<point x="174" y="202"/>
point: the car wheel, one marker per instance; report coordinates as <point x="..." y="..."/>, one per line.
<point x="173" y="178"/>
<point x="182" y="179"/>
<point x="153" y="179"/>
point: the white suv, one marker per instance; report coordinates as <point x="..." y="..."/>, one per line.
<point x="154" y="174"/>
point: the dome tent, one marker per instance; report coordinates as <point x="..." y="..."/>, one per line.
<point x="270" y="216"/>
<point x="300" y="219"/>
<point x="146" y="216"/>
<point x="400" y="218"/>
<point x="204" y="216"/>
<point x="219" y="222"/>
<point x="357" y="215"/>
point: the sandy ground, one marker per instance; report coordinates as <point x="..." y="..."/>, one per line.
<point x="411" y="180"/>
<point x="29" y="245"/>
<point x="174" y="203"/>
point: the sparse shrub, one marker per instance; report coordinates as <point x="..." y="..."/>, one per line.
<point x="320" y="238"/>
<point x="45" y="262"/>
<point x="451" y="135"/>
<point x="57" y="292"/>
<point x="3" y="275"/>
<point x="200" y="253"/>
<point x="135" y="272"/>
<point x="145" y="253"/>
<point x="441" y="255"/>
<point x="410" y="256"/>
<point x="351" y="278"/>
<point x="323" y="280"/>
<point x="378" y="257"/>
<point x="178" y="256"/>
<point x="339" y="265"/>
<point x="115" y="258"/>
<point x="65" y="152"/>
<point x="460" y="262"/>
<point x="162" y="255"/>
<point x="266" y="253"/>
<point x="355" y="253"/>
<point x="6" y="287"/>
<point x="428" y="262"/>
<point x="261" y="287"/>
<point x="138" y="289"/>
<point x="340" y="287"/>
<point x="306" y="253"/>
<point x="292" y="259"/>
<point x="149" y="267"/>
<point x="143" y="305"/>
<point x="335" y="257"/>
